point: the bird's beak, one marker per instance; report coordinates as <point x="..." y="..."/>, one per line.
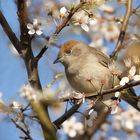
<point x="57" y="60"/>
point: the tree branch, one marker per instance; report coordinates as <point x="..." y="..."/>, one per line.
<point x="123" y="29"/>
<point x="126" y="95"/>
<point x="32" y="69"/>
<point x="66" y="115"/>
<point x="24" y="131"/>
<point x="68" y="18"/>
<point x="62" y="25"/>
<point x="41" y="53"/>
<point x="7" y="29"/>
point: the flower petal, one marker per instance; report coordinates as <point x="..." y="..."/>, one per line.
<point x="31" y="32"/>
<point x="30" y="26"/>
<point x="132" y="71"/>
<point x="117" y="94"/>
<point x="92" y="21"/>
<point x="136" y="77"/>
<point x="63" y="10"/>
<point x="129" y="124"/>
<point x="85" y="27"/>
<point x="39" y="32"/>
<point x="124" y="80"/>
<point x="72" y="133"/>
<point x="16" y="105"/>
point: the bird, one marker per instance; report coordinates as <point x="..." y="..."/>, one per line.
<point x="88" y="71"/>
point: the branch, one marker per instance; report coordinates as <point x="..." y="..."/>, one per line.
<point x="123" y="29"/>
<point x="41" y="53"/>
<point x="68" y="18"/>
<point x="23" y="20"/>
<point x="32" y="69"/>
<point x="66" y="115"/>
<point x="62" y="25"/>
<point x="126" y="95"/>
<point x="24" y="131"/>
<point x="7" y="29"/>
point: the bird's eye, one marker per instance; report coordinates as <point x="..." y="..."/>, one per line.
<point x="68" y="52"/>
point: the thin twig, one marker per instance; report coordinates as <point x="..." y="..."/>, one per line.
<point x="25" y="108"/>
<point x="67" y="19"/>
<point x="131" y="99"/>
<point x="105" y="92"/>
<point x="24" y="131"/>
<point x="41" y="53"/>
<point x="123" y="29"/>
<point x="61" y="26"/>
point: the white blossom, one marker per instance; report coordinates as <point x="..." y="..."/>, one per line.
<point x="85" y="27"/>
<point x="110" y="31"/>
<point x="28" y="92"/>
<point x="136" y="77"/>
<point x="132" y="71"/>
<point x="73" y="128"/>
<point x="81" y="19"/>
<point x="16" y="105"/>
<point x="34" y="28"/>
<point x="63" y="11"/>
<point x="132" y="76"/>
<point x="117" y="94"/>
<point x="126" y="120"/>
<point x="92" y="21"/>
<point x="124" y="81"/>
<point x="129" y="125"/>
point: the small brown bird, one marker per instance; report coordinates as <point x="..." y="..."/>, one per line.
<point x="88" y="70"/>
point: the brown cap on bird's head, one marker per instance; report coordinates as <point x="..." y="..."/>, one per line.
<point x="66" y="48"/>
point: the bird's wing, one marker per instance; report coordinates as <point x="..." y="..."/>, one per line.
<point x="102" y="58"/>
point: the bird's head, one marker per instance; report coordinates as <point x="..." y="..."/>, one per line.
<point x="70" y="51"/>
